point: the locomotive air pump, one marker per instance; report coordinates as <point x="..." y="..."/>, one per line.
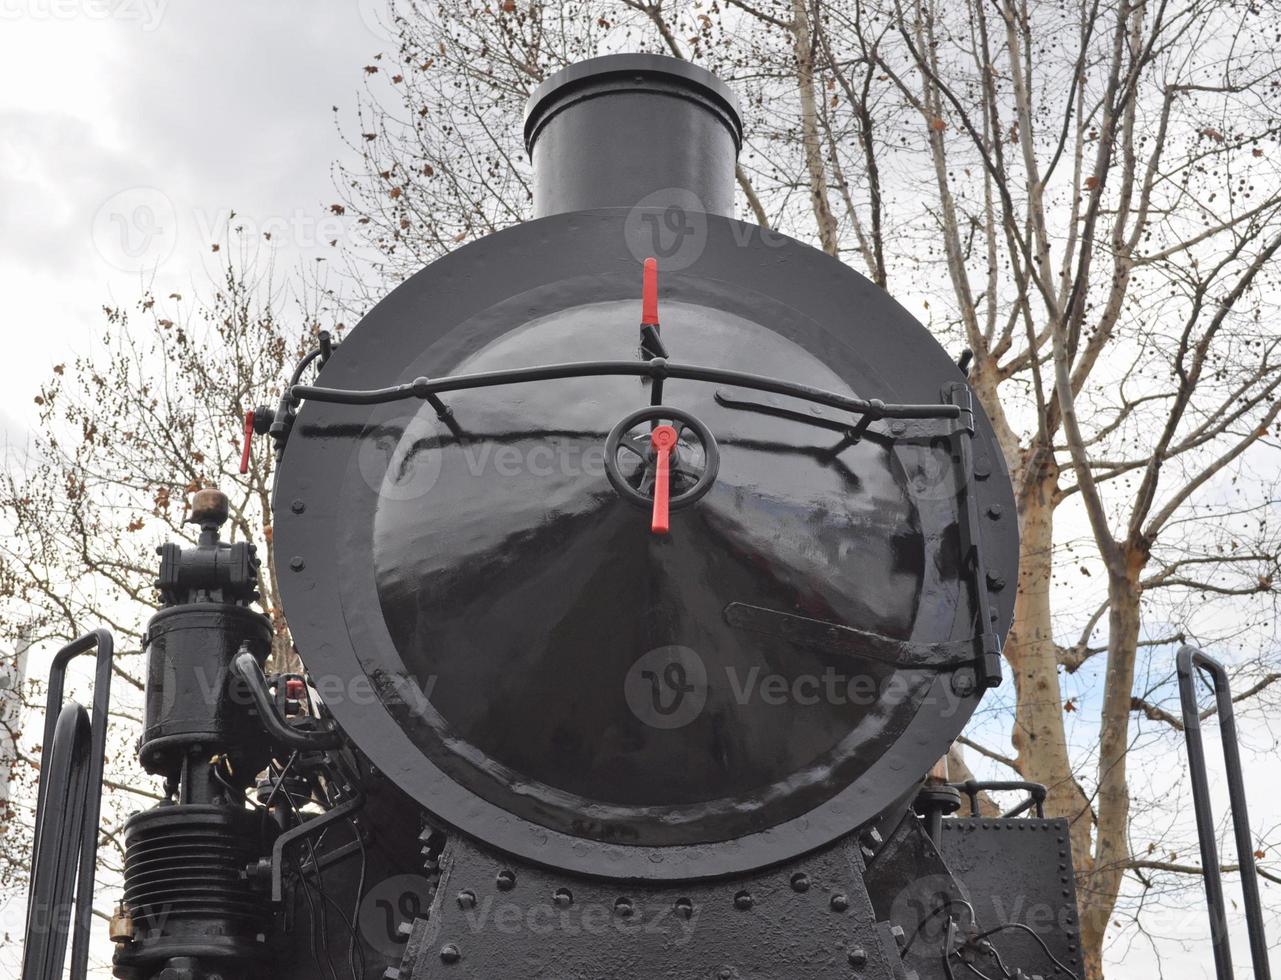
<point x="629" y="653"/>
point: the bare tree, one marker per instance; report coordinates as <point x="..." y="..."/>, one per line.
<point x="128" y="432"/>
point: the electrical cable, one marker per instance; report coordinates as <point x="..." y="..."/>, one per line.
<point x="979" y="973"/>
<point x="1000" y="963"/>
<point x="280" y="781"/>
<point x="1040" y="942"/>
<point x="947" y="904"/>
<point x="355" y="945"/>
<point x="320" y="890"/>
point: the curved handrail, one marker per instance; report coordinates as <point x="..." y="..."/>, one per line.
<point x="1188" y="661"/>
<point x="78" y="787"/>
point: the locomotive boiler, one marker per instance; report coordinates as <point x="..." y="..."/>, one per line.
<point x="644" y="564"/>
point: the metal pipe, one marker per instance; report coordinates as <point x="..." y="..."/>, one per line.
<point x="657" y="368"/>
<point x="245" y="666"/>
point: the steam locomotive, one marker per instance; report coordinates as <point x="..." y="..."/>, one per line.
<point x="645" y="563"/>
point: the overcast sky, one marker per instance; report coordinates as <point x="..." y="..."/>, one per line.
<point x="129" y="128"/>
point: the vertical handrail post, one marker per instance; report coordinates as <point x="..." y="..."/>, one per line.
<point x="85" y="789"/>
<point x="1189" y="661"/>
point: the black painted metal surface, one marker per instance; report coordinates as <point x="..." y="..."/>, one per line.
<point x="498" y="598"/>
<point x="1019" y="877"/>
<point x="633" y="129"/>
<point x="497" y="918"/>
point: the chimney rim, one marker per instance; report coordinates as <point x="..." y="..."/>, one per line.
<point x="557" y="91"/>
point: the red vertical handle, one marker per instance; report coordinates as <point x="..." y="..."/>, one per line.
<point x="664" y="439"/>
<point x="249" y="435"/>
<point x="649" y="293"/>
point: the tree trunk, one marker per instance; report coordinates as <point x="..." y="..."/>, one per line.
<point x="13" y="677"/>
<point x="1098" y="892"/>
<point x="803" y="48"/>
<point x="1040" y="737"/>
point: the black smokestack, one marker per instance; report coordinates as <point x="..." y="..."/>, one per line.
<point x="625" y="128"/>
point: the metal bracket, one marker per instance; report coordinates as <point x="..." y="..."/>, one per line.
<point x="1036" y="794"/>
<point x="303" y="831"/>
<point x="849" y="641"/>
<point x="959" y="394"/>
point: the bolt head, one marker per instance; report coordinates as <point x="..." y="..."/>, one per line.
<point x="505" y="880"/>
<point x="449" y="953"/>
<point x="839" y="903"/>
<point x="743" y="901"/>
<point x="858" y="957"/>
<point x="296" y="563"/>
<point x="466" y="900"/>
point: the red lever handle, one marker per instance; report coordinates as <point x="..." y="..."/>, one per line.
<point x="249" y="435"/>
<point x="663" y="439"/>
<point x="649" y="293"/>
